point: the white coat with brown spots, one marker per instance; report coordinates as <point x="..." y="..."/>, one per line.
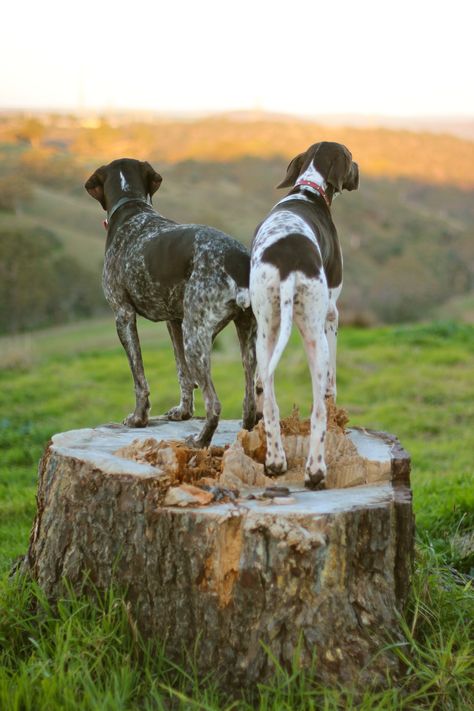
<point x="296" y="275"/>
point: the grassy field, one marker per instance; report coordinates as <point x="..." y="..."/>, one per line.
<point x="414" y="381"/>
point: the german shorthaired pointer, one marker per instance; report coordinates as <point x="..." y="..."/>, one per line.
<point x="296" y="273"/>
<point x="193" y="277"/>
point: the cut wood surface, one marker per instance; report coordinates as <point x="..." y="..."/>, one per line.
<point x="213" y="558"/>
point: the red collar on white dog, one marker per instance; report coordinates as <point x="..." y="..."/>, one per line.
<point x="316" y="187"/>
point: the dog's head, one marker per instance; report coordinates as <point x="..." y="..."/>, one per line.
<point x="332" y="160"/>
<point x="125" y="177"/>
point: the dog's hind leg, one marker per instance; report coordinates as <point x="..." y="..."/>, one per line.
<point x="311" y="326"/>
<point x="198" y="344"/>
<point x="126" y="323"/>
<point x="268" y="323"/>
<point x="246" y="327"/>
<point x="183" y="411"/>
<point x="258" y="396"/>
<point x="330" y="328"/>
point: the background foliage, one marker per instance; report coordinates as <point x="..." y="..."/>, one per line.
<point x="407" y="234"/>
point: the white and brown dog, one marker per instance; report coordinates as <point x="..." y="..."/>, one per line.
<point x="296" y="273"/>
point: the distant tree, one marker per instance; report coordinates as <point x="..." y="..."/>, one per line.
<point x="39" y="285"/>
<point x="101" y="140"/>
<point x="31" y="130"/>
<point x="48" y="167"/>
<point x="405" y="290"/>
<point x="14" y="189"/>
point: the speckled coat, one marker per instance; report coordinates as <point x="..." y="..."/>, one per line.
<point x="191" y="276"/>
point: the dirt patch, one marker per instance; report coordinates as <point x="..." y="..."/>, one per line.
<point x="198" y="463"/>
<point x="222" y="471"/>
<point x="337" y="419"/>
<point x="294" y="425"/>
<point x="254" y="443"/>
<point x="187" y="465"/>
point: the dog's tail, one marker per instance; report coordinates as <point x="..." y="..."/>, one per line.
<point x="242" y="297"/>
<point x="287" y="292"/>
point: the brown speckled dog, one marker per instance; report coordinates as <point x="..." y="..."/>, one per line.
<point x="193" y="277"/>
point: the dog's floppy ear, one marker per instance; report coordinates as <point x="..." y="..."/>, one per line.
<point x="338" y="170"/>
<point x="293" y="171"/>
<point x="352" y="182"/>
<point x="153" y="179"/>
<point x="95" y="186"/>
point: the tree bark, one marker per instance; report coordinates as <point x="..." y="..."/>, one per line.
<point x="325" y="572"/>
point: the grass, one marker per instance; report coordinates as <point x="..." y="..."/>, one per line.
<point x="415" y="381"/>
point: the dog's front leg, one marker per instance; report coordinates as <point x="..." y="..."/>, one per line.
<point x="126" y="323"/>
<point x="185" y="409"/>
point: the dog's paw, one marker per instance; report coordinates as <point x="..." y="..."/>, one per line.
<point x="276" y="468"/>
<point x="197" y="442"/>
<point x="178" y="413"/>
<point x="134" y="420"/>
<point x="315" y="481"/>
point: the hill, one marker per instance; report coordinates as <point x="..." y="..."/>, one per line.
<point x="389" y="152"/>
<point x="406" y="234"/>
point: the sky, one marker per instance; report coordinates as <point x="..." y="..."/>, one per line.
<point x="306" y="57"/>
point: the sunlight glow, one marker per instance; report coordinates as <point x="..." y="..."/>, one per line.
<point x="407" y="58"/>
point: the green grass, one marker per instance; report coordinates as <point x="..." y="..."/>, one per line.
<point x="416" y="381"/>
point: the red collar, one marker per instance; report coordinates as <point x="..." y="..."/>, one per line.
<point x="316" y="187"/>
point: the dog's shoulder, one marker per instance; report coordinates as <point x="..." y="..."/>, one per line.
<point x="284" y="219"/>
<point x="318" y="217"/>
<point x="168" y="253"/>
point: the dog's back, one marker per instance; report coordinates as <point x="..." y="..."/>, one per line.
<point x="287" y="271"/>
<point x="152" y="260"/>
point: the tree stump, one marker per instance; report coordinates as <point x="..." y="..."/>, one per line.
<point x="226" y="574"/>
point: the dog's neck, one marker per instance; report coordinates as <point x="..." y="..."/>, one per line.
<point x="124" y="185"/>
<point x="124" y="201"/>
<point x="308" y="194"/>
<point x="310" y="185"/>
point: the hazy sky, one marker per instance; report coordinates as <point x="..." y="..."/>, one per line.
<point x="297" y="56"/>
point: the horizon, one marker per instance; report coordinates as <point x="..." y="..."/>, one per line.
<point x="461" y="127"/>
<point x="235" y="112"/>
